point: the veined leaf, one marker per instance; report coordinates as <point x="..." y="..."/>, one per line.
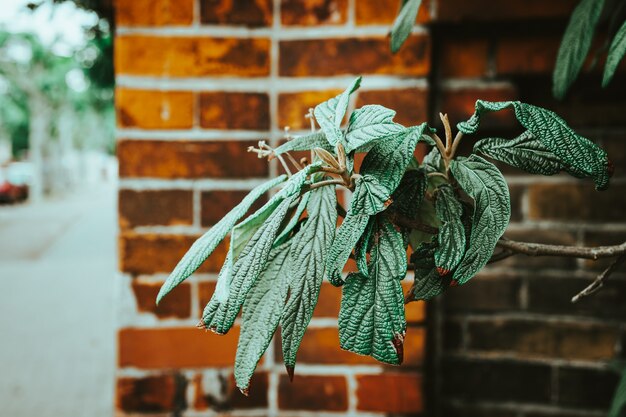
<point x="284" y="235"/>
<point x="363" y="246"/>
<point x="305" y="143"/>
<point x="346" y="238"/>
<point x="428" y="283"/>
<point x="524" y="152"/>
<point x="261" y="313"/>
<point x="575" y="45"/>
<point x="484" y="183"/>
<point x="369" y="197"/>
<point x="330" y="113"/>
<point x="403" y="24"/>
<point x="451" y="236"/>
<point x="206" y="244"/>
<point x="432" y="161"/>
<point x="245" y="271"/>
<point x="368" y="124"/>
<point x="615" y="55"/>
<point x="580" y="156"/>
<point x="371" y="319"/>
<point x="308" y="250"/>
<point x="388" y="160"/>
<point x="408" y="197"/>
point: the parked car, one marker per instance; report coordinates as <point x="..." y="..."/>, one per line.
<point x="14" y="181"/>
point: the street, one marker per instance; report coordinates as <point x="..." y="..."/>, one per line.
<point x="57" y="334"/>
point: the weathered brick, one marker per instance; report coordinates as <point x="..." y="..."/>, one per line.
<point x="166" y="348"/>
<point x="321" y="346"/>
<point x="311" y="392"/>
<point x="390" y="393"/>
<point x="376" y="12"/>
<point x="293" y="107"/>
<point x="530" y="54"/>
<point x="183" y="56"/>
<point x="219" y="110"/>
<point x="496" y="380"/>
<point x="586" y="388"/>
<point x="223" y="395"/>
<point x="155" y="207"/>
<point x="516" y="9"/>
<point x="176" y="305"/>
<point x="465" y="57"/>
<point x="411" y="104"/>
<point x="216" y="204"/>
<point x="577" y="202"/>
<point x="148" y="254"/>
<point x="459" y="104"/>
<point x="452" y="335"/>
<point x="540" y="339"/>
<point x="517" y="192"/>
<point x="325" y="57"/>
<point x="154" y="109"/>
<point x="328" y="302"/>
<point x="602" y="238"/>
<point x="251" y="13"/>
<point x="189" y="159"/>
<point x="159" y="393"/>
<point x="485" y="294"/>
<point x="313" y="13"/>
<point x="153" y="13"/>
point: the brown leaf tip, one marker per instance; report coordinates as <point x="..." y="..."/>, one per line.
<point x="290" y="372"/>
<point x="398" y="345"/>
<point x="454" y="283"/>
<point x="442" y="271"/>
<point x="201" y="325"/>
<point x="245" y="391"/>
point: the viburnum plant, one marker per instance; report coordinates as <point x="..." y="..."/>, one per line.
<point x="450" y="210"/>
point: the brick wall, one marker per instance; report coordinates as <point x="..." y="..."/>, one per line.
<point x="200" y="80"/>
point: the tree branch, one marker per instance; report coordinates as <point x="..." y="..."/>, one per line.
<point x="538" y="249"/>
<point x="599" y="281"/>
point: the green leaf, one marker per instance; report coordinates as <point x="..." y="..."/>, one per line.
<point x="308" y="250"/>
<point x="618" y="404"/>
<point x="615" y="55"/>
<point x="346" y="238"/>
<point x="451" y="236"/>
<point x="363" y="246"/>
<point x="432" y="161"/>
<point x="293" y="222"/>
<point x="305" y="143"/>
<point x="484" y="183"/>
<point x="371" y="318"/>
<point x="403" y="24"/>
<point x="261" y="313"/>
<point x="428" y="283"/>
<point x="220" y="315"/>
<point x="206" y="244"/>
<point x="580" y="156"/>
<point x="369" y="196"/>
<point x="408" y="197"/>
<point x="330" y="113"/>
<point x="368" y="124"/>
<point x="575" y="45"/>
<point x="524" y="152"/>
<point x="388" y="160"/>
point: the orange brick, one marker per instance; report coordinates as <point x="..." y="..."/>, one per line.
<point x="153" y="12"/>
<point x="410" y="104"/>
<point x="216" y="204"/>
<point x="159" y="393"/>
<point x="234" y="111"/>
<point x="189" y="159"/>
<point x="415" y="312"/>
<point x="175" y="348"/>
<point x="460" y="104"/>
<point x="327" y="57"/>
<point x="526" y="55"/>
<point x="205" y="292"/>
<point x="149" y="254"/>
<point x="376" y="12"/>
<point x="228" y="396"/>
<point x="402" y="393"/>
<point x="191" y="56"/>
<point x="154" y="109"/>
<point x="311" y="392"/>
<point x="251" y="13"/>
<point x="464" y="58"/>
<point x="176" y="305"/>
<point x="311" y="13"/>
<point x="155" y="207"/>
<point x="293" y="107"/>
<point x="328" y="302"/>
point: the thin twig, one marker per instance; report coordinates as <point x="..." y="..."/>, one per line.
<point x="496" y="257"/>
<point x="323" y="184"/>
<point x="538" y="249"/>
<point x="440" y="145"/>
<point x="600" y="280"/>
<point x="455" y="144"/>
<point x="448" y="130"/>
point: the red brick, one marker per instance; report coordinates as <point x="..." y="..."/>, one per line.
<point x="159" y="393"/>
<point x="327" y="57"/>
<point x="390" y="393"/>
<point x="166" y="348"/>
<point x="149" y="254"/>
<point x="376" y="12"/>
<point x="216" y="204"/>
<point x="480" y="10"/>
<point x="526" y="55"/>
<point x="464" y="58"/>
<point x="183" y="56"/>
<point x="223" y="394"/>
<point x="154" y="13"/>
<point x="251" y="13"/>
<point x="154" y="109"/>
<point x="321" y="346"/>
<point x="311" y="13"/>
<point x="155" y="207"/>
<point x="205" y="292"/>
<point x="328" y="302"/>
<point x="234" y="111"/>
<point x="410" y="104"/>
<point x="459" y="105"/>
<point x="176" y="305"/>
<point x="189" y="159"/>
<point x="308" y="392"/>
<point x="293" y="107"/>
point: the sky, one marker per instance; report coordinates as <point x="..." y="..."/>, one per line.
<point x="59" y="25"/>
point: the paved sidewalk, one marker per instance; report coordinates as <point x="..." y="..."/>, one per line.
<point x="57" y="335"/>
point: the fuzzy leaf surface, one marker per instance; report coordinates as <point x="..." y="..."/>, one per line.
<point x="330" y="113"/>
<point x="370" y="196"/>
<point x="346" y="237"/>
<point x="206" y="244"/>
<point x="408" y="197"/>
<point x="617" y="50"/>
<point x="371" y="318"/>
<point x="305" y="143"/>
<point x="369" y="124"/>
<point x="428" y="283"/>
<point x="403" y="24"/>
<point x="484" y="183"/>
<point x="451" y="236"/>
